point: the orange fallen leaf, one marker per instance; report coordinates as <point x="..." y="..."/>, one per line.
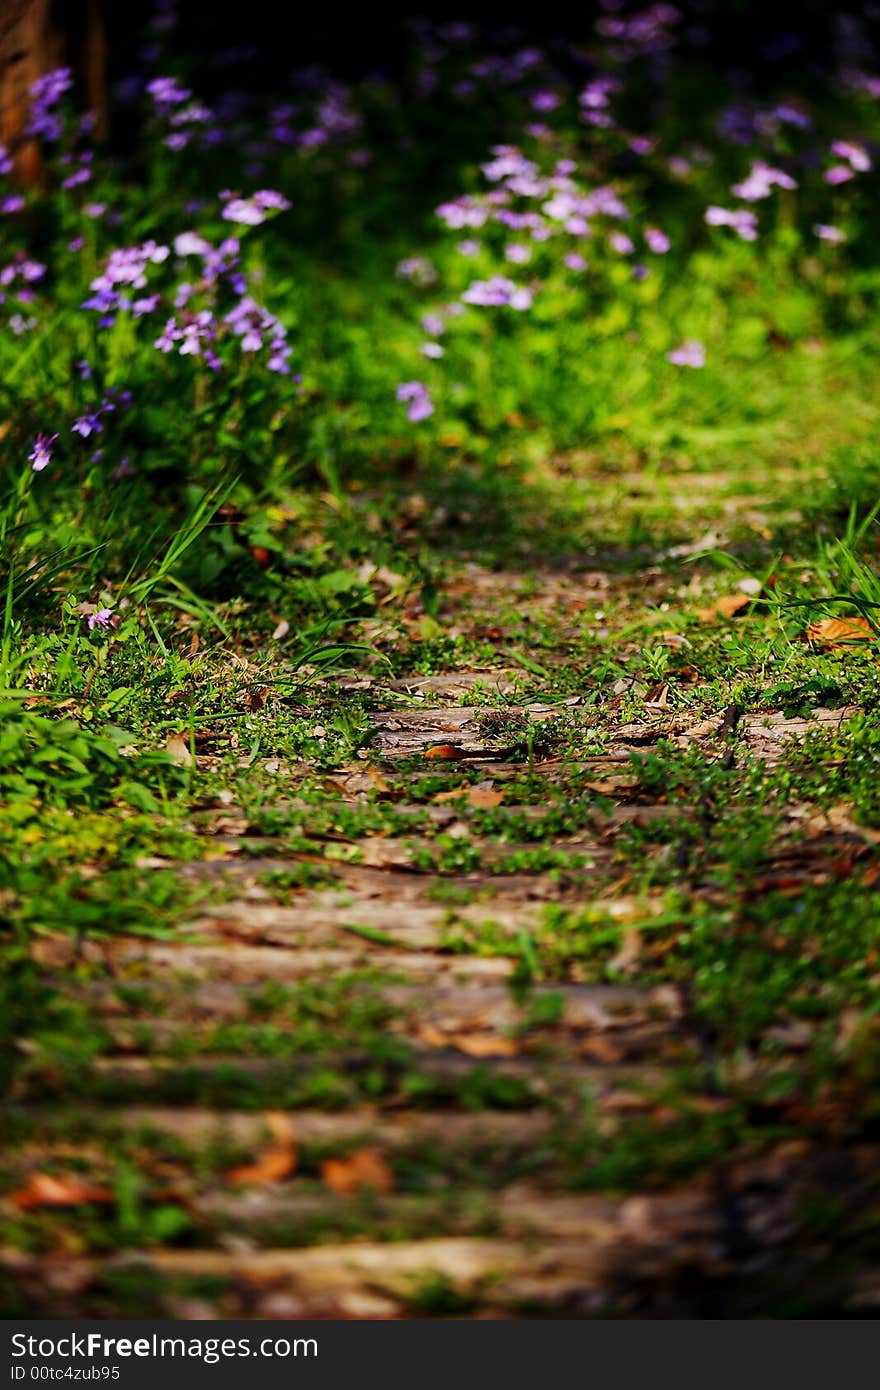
<point x="46" y="1190"/>
<point x="485" y="1045"/>
<point x="481" y="797"/>
<point x="363" y="1168"/>
<point x="601" y="1049"/>
<point x="276" y="1162"/>
<point x="377" y="779"/>
<point x="471" y="1044"/>
<point x="727" y="606"/>
<point x="839" y="632"/>
<point x="445" y="750"/>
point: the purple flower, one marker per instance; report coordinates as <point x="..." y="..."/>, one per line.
<point x="760" y="182"/>
<point x="544" y="101"/>
<point x="417" y="269"/>
<point x="857" y="157"/>
<point x="621" y="243"/>
<point x="742" y="220"/>
<point x="657" y="241"/>
<point x="102" y="619"/>
<point x="167" y="93"/>
<point x="574" y="261"/>
<point x="190" y="244"/>
<point x="690" y="354"/>
<point x="87" y="424"/>
<point x="420" y="406"/>
<point x="41" y="454"/>
<point x="13" y="202"/>
<point x="147" y="304"/>
<point x="496" y="292"/>
<point x="825" y="232"/>
<point x="252" y="211"/>
<point x="46" y="94"/>
<point x="838" y="173"/>
<point x="81" y="175"/>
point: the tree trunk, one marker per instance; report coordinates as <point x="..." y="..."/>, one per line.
<point x="35" y="37"/>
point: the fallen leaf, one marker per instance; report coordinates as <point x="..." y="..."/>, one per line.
<point x="178" y="751"/>
<point x="601" y="1049"/>
<point x="445" y="751"/>
<point x="471" y="1044"/>
<point x="727" y="606"/>
<point x="281" y="630"/>
<point x="377" y="780"/>
<point x="45" y="1190"/>
<point x="629" y="955"/>
<point x="276" y="1162"/>
<point x="839" y="632"/>
<point x="483" y="796"/>
<point x="363" y="1168"/>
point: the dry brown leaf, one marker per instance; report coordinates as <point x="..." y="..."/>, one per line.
<point x="839" y="632"/>
<point x="377" y="779"/>
<point x="445" y="751"/>
<point x="363" y="1168"/>
<point x="601" y="1049"/>
<point x="629" y="955"/>
<point x="178" y="750"/>
<point x="471" y="1044"/>
<point x="483" y="798"/>
<point x="276" y="1162"/>
<point x="611" y="785"/>
<point x="727" y="606"/>
<point x="46" y="1190"/>
<point x="485" y="1045"/>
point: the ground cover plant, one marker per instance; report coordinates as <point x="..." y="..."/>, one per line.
<point x="439" y="682"/>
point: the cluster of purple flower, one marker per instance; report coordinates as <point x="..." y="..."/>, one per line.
<point x="185" y="118"/>
<point x="252" y="211"/>
<point x="255" y="329"/>
<point x="47" y="93"/>
<point x="125" y="271"/>
<point x="200" y="321"/>
<point x="554" y="209"/>
<point x="498" y="291"/>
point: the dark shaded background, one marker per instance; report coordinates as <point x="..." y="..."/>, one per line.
<point x="761" y="36"/>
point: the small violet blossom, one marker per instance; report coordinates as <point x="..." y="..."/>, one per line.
<point x="742" y="220"/>
<point x="419" y="406"/>
<point x="825" y="232"/>
<point x="690" y="354"/>
<point x="498" y="291"/>
<point x="102" y="619"/>
<point x="657" y="241"/>
<point x="41" y="454"/>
